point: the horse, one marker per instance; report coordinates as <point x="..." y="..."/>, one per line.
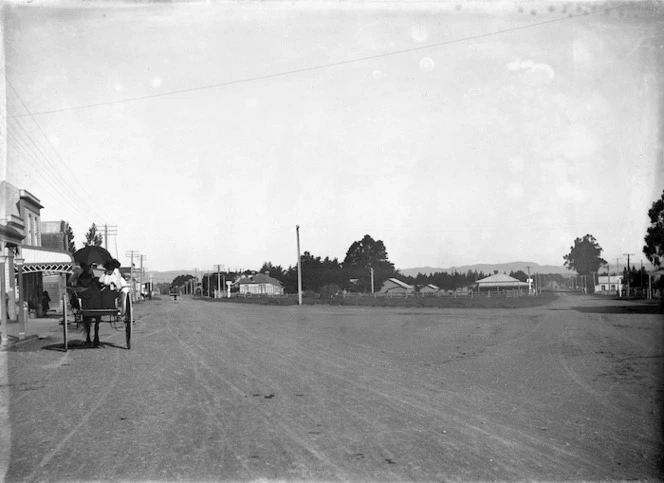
<point x="87" y="322"/>
<point x="89" y="294"/>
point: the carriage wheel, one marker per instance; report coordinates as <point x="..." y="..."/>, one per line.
<point x="127" y="321"/>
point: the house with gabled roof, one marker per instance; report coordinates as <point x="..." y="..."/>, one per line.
<point x="429" y="289"/>
<point x="259" y="284"/>
<point x="396" y="286"/>
<point x="500" y="281"/>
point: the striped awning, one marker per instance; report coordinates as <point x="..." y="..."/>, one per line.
<point x="49" y="261"/>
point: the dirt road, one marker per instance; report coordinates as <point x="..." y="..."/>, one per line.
<point x="212" y="391"/>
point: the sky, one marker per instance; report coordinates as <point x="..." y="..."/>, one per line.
<point x="455" y="132"/>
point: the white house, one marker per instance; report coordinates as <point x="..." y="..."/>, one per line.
<point x="260" y="284"/>
<point x="500" y="281"/>
<point x="609" y="284"/>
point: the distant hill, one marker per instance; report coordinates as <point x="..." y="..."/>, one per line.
<point x="168" y="276"/>
<point x="488" y="268"/>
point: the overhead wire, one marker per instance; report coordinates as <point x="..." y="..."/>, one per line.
<point x="72" y="175"/>
<point x="22" y="148"/>
<point x="65" y="182"/>
<point x="31" y="148"/>
<point x="42" y="183"/>
<point x="329" y="64"/>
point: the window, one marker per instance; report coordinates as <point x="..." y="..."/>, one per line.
<point x="37" y="231"/>
<point x="30" y="239"/>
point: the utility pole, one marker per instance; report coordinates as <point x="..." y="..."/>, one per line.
<point x="109" y="230"/>
<point x="299" y="267"/>
<point x="218" y="279"/>
<point x="539" y="284"/>
<point x="372" y="280"/>
<point x="628" y="280"/>
<point x="132" y="254"/>
<point x="143" y="257"/>
<point x="618" y="276"/>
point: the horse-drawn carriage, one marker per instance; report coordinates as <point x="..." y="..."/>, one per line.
<point x="108" y="305"/>
<point x="118" y="314"/>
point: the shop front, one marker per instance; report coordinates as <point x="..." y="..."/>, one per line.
<point x="44" y="272"/>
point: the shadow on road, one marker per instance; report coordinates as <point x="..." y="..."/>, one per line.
<point x="80" y="345"/>
<point x="621" y="309"/>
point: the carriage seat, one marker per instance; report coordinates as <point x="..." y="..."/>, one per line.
<point x="109" y="298"/>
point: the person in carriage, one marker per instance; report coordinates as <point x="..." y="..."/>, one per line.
<point x="112" y="284"/>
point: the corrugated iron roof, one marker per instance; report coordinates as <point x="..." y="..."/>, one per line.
<point x="400" y="283"/>
<point x="259" y="278"/>
<point x="500" y="279"/>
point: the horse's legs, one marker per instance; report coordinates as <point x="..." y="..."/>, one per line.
<point x="96" y="341"/>
<point x="86" y="325"/>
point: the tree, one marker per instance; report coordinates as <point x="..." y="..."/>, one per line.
<point x="367" y="253"/>
<point x="180" y="280"/>
<point x="92" y="237"/>
<point x="71" y="246"/>
<point x="654" y="247"/>
<point x="584" y="257"/>
<point x="317" y="272"/>
<point x="519" y="275"/>
<point x="364" y="255"/>
<point x="274" y="271"/>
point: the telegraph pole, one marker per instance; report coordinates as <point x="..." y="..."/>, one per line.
<point x="109" y="230"/>
<point x="372" y="280"/>
<point x="628" y="280"/>
<point x="218" y="279"/>
<point x="299" y="267"/>
<point x="143" y="257"/>
<point x="132" y="254"/>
